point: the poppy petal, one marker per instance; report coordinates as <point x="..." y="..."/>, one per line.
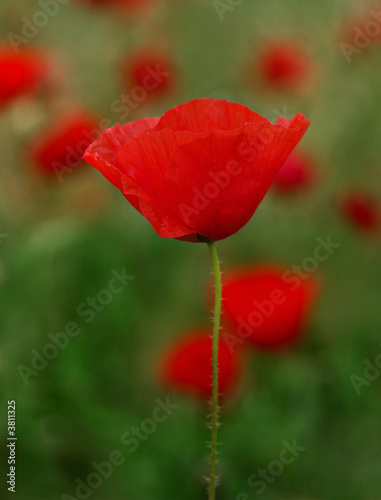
<point x="234" y="172"/>
<point x="143" y="163"/>
<point x="102" y="152"/>
<point x="204" y="115"/>
<point x="164" y="222"/>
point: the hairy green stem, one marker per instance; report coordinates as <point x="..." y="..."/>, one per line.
<point x="214" y="403"/>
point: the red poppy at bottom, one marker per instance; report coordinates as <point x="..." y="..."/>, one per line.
<point x="362" y="211"/>
<point x="267" y="305"/>
<point x="186" y="365"/>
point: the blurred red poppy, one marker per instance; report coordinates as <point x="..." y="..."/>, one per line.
<point x="361" y="210"/>
<point x="267" y="305"/>
<point x="150" y="69"/>
<point x="296" y="173"/>
<point x="22" y="73"/>
<point x="284" y="65"/>
<point x="362" y="30"/>
<point x="201" y="170"/>
<point x="187" y="365"/>
<point x="59" y="149"/>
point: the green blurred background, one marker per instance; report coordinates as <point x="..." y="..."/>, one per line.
<point x="64" y="240"/>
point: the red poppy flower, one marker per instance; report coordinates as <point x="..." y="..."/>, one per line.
<point x="284" y="65"/>
<point x="60" y="148"/>
<point x="296" y="173"/>
<point x="187" y="365"/>
<point x="150" y="69"/>
<point x="361" y="210"/>
<point x="201" y="170"/>
<point x="267" y="305"/>
<point x="21" y="73"/>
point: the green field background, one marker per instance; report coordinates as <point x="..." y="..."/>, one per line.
<point x="64" y="240"/>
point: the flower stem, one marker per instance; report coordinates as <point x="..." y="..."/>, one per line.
<point x="215" y="342"/>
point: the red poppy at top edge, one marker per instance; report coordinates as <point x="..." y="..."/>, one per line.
<point x="22" y="73"/>
<point x="284" y="65"/>
<point x="201" y="170"/>
<point x="267" y="305"/>
<point x="150" y="69"/>
<point x="187" y="365"/>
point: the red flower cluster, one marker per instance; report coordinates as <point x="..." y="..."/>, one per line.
<point x="187" y="365"/>
<point x="185" y="171"/>
<point x="263" y="306"/>
<point x="22" y="73"/>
